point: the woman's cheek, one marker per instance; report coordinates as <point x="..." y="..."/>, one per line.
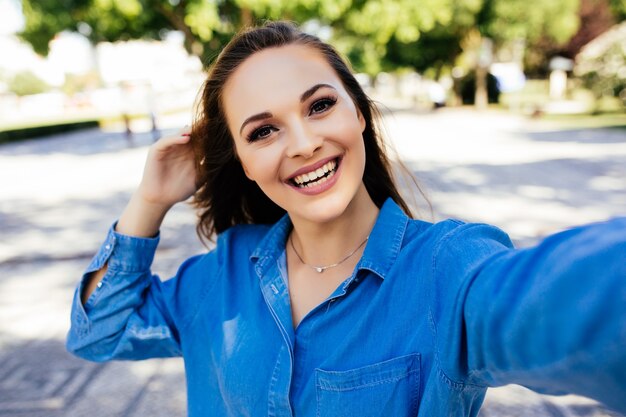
<point x="267" y="163"/>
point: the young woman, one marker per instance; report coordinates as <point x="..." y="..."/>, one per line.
<point x="323" y="297"/>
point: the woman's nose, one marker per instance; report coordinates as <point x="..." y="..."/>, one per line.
<point x="302" y="141"/>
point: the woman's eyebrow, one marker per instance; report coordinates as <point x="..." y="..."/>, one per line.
<point x="308" y="93"/>
<point x="260" y="116"/>
<point x="266" y="115"/>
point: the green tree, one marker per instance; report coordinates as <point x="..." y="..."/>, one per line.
<point x="99" y="20"/>
<point x="438" y="47"/>
<point x="375" y="34"/>
<point x="530" y="21"/>
<point x="431" y="35"/>
<point x="383" y="35"/>
<point x="601" y="63"/>
<point x="362" y="28"/>
<point x="619" y="9"/>
<point x="25" y="83"/>
<point x="504" y="20"/>
<point x="206" y="25"/>
<point x="596" y="17"/>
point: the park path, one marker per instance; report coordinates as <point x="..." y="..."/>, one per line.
<point x="58" y="196"/>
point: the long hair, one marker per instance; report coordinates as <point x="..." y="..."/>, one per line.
<point x="225" y="196"/>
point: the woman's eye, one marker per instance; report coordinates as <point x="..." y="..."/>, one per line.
<point x="261" y="133"/>
<point x="322" y="105"/>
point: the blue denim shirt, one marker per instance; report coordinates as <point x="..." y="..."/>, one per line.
<point x="432" y="315"/>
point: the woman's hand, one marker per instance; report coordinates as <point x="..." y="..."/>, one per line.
<point x="169" y="177"/>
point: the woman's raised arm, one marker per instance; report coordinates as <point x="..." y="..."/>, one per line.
<point x="169" y="177"/>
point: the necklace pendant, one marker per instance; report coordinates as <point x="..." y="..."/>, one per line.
<point x="320" y="269"/>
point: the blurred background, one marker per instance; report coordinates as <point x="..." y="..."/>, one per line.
<point x="511" y="112"/>
<point x="79" y="61"/>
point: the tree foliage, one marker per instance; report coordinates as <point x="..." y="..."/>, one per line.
<point x="25" y="83"/>
<point x="432" y="34"/>
<point x="596" y="17"/>
<point x="531" y="19"/>
<point x="619" y="9"/>
<point x="98" y="20"/>
<point x="601" y="64"/>
<point x="374" y="34"/>
<point x="408" y="33"/>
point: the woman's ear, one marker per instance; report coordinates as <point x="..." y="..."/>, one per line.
<point x="361" y="120"/>
<point x="238" y="160"/>
<point x="245" y="170"/>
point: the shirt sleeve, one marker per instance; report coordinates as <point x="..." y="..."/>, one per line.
<point x="551" y="317"/>
<point x="127" y="316"/>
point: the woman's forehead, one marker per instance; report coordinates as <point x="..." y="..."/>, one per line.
<point x="273" y="75"/>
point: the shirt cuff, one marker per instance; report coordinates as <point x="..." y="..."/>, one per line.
<point x="125" y="253"/>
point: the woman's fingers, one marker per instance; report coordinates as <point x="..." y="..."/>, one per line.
<point x="181" y="137"/>
<point x="185" y="133"/>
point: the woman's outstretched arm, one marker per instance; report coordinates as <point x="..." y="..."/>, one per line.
<point x="551" y="317"/>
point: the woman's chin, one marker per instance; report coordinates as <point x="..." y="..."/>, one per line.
<point x="324" y="210"/>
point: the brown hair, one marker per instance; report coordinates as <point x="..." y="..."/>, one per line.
<point x="226" y="197"/>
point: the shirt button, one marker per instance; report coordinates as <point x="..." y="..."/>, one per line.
<point x="107" y="247"/>
<point x="100" y="284"/>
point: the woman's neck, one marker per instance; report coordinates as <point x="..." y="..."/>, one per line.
<point x="328" y="242"/>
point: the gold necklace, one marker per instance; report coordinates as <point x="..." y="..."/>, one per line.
<point x="323" y="268"/>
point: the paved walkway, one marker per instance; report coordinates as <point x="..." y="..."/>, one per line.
<point x="58" y="196"/>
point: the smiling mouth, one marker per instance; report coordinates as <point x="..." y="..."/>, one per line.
<point x="316" y="177"/>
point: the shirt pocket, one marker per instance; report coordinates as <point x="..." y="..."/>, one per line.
<point x="389" y="388"/>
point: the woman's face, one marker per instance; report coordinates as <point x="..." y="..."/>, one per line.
<point x="297" y="132"/>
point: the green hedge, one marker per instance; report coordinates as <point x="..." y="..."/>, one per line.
<point x="12" y="135"/>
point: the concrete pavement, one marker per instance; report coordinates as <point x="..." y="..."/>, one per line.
<point x="58" y="196"/>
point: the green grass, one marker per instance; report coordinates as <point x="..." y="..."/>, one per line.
<point x="8" y="125"/>
<point x="586" y="121"/>
<point x="35" y="127"/>
<point x="28" y="132"/>
<point x="607" y="112"/>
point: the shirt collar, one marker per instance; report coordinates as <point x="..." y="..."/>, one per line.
<point x="385" y="240"/>
<point x="380" y="253"/>
<point x="271" y="246"/>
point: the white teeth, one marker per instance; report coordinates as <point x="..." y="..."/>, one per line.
<point x="318" y="182"/>
<point x="313" y="175"/>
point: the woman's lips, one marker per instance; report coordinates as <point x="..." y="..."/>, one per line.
<point x="318" y="174"/>
<point x="320" y="183"/>
<point x="313" y="167"/>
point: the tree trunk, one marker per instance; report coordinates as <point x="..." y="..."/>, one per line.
<point x="485" y="58"/>
<point x="481" y="99"/>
